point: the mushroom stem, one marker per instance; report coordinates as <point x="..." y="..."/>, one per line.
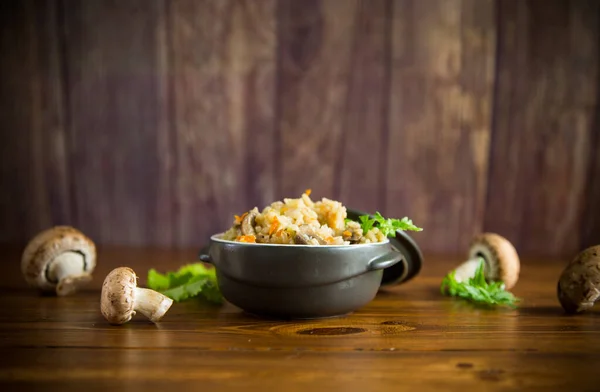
<point x="67" y="270"/>
<point x="151" y="304"/>
<point x="467" y="269"/>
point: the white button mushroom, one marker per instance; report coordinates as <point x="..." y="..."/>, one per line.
<point x="121" y="298"/>
<point x="579" y="284"/>
<point x="59" y="259"/>
<point x="500" y="257"/>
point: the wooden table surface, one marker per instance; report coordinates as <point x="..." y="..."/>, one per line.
<point x="410" y="337"/>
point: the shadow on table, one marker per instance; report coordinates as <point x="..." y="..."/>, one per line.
<point x="553" y="311"/>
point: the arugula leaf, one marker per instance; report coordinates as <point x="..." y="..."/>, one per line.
<point x="477" y="290"/>
<point x="158" y="281"/>
<point x="366" y="223"/>
<point x="189" y="281"/>
<point x="387" y="226"/>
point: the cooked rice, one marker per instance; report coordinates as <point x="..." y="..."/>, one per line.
<point x="282" y="221"/>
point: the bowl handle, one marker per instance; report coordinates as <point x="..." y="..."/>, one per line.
<point x="204" y="255"/>
<point x="385" y="261"/>
<point x="412" y="260"/>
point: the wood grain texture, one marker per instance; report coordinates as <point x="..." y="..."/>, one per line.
<point x="359" y="171"/>
<point x="34" y="172"/>
<point x="545" y="104"/>
<point x="223" y="59"/>
<point x="154" y="122"/>
<point x="315" y="60"/>
<point x="590" y="232"/>
<point x="437" y="342"/>
<point x="441" y="95"/>
<point x="119" y="132"/>
<point x="144" y="370"/>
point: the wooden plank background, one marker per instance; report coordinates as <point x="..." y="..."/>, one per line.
<point x="152" y="122"/>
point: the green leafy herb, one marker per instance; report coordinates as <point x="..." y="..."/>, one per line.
<point x="387" y="226"/>
<point x="478" y="290"/>
<point x="189" y="281"/>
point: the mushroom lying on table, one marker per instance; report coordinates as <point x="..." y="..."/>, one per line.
<point x="501" y="261"/>
<point x="121" y="298"/>
<point x="60" y="259"/>
<point x="579" y="284"/>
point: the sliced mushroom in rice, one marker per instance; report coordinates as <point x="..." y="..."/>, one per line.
<point x="249" y="222"/>
<point x="307" y="235"/>
<point x="303" y="239"/>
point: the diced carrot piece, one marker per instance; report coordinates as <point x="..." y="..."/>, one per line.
<point x="274" y="226"/>
<point x="308" y="192"/>
<point x="346" y="233"/>
<point x="239" y="219"/>
<point x="246" y="238"/>
<point x="331" y="219"/>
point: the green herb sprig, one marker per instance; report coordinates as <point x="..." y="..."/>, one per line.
<point x="189" y="281"/>
<point x="478" y="290"/>
<point x="387" y="226"/>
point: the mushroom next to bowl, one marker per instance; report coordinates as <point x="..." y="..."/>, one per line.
<point x="60" y="259"/>
<point x="501" y="261"/>
<point x="301" y="221"/>
<point x="121" y="298"/>
<point x="578" y="287"/>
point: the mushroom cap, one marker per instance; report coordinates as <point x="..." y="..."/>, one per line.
<point x="579" y="284"/>
<point x="46" y="246"/>
<point x="500" y="255"/>
<point x="117" y="299"/>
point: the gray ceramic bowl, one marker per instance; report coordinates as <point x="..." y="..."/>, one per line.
<point x="308" y="281"/>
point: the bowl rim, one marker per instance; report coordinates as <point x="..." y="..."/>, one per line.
<point x="216" y="238"/>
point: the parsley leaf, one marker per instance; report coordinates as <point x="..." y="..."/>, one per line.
<point x="387" y="226"/>
<point x="189" y="281"/>
<point x="477" y="290"/>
